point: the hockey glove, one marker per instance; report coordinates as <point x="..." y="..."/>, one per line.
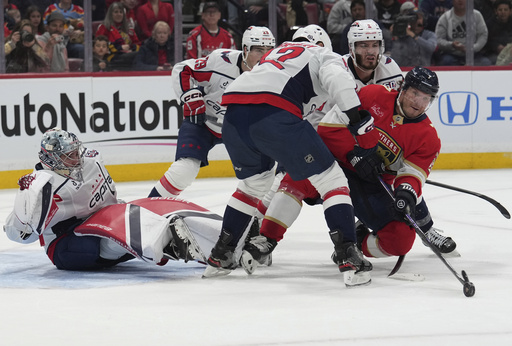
<point x="193" y="106"/>
<point x="363" y="131"/>
<point x="405" y="201"/>
<point x="367" y="162"/>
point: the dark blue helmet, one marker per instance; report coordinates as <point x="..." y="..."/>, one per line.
<point x="423" y="79"/>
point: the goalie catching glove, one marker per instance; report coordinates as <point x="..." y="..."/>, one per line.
<point x="405" y="201"/>
<point x="365" y="158"/>
<point x="193" y="106"/>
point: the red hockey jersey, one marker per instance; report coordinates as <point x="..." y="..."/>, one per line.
<point x="408" y="146"/>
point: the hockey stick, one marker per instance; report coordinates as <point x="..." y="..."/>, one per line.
<point x="495" y="203"/>
<point x="468" y="287"/>
<point x="397" y="265"/>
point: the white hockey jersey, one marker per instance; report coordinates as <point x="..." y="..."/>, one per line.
<point x="387" y="73"/>
<point x="212" y="74"/>
<point x="42" y="210"/>
<point x="298" y="77"/>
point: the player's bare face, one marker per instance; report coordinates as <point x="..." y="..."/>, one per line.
<point x="256" y="53"/>
<point x="414" y="102"/>
<point x="367" y="54"/>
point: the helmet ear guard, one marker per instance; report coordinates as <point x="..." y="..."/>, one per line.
<point x="62" y="152"/>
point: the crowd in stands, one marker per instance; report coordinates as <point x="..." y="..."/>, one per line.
<point x="131" y="35"/>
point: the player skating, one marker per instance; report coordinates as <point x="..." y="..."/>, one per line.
<point x="69" y="203"/>
<point x="264" y="123"/>
<point x="201" y="84"/>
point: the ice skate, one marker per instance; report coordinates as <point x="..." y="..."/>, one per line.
<point x="355" y="268"/>
<point x="361" y="232"/>
<point x="258" y="251"/>
<point x="254" y="230"/>
<point x="183" y="245"/>
<point x="445" y="245"/>
<point x="351" y="262"/>
<point x="221" y="261"/>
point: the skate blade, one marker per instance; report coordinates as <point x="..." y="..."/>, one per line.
<point x="353" y="279"/>
<point x="211" y="272"/>
<point x="248" y="262"/>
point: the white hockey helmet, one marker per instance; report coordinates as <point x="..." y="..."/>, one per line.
<point x="314" y="34"/>
<point x="62" y="152"/>
<point x="257" y="36"/>
<point x="364" y="30"/>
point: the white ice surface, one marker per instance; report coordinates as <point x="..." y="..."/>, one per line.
<point x="299" y="300"/>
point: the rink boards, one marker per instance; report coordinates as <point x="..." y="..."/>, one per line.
<point x="133" y="119"/>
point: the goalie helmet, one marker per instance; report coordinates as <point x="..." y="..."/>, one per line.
<point x="256" y="36"/>
<point x="314" y="34"/>
<point x="364" y="30"/>
<point x="423" y="79"/>
<point x="62" y="152"/>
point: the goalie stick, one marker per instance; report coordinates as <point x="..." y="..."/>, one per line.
<point x="468" y="287"/>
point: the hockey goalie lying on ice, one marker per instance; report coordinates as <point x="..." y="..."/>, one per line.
<point x="70" y="204"/>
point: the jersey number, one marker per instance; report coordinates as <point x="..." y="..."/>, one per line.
<point x="284" y="53"/>
<point x="200" y="63"/>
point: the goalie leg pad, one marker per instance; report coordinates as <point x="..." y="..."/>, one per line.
<point x="141" y="232"/>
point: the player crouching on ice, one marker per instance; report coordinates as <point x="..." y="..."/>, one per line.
<point x="70" y="204"/>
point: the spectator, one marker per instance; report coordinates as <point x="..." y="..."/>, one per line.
<point x="387" y="10"/>
<point x="433" y="9"/>
<point x="295" y="13"/>
<point x="53" y="42"/>
<point x="157" y="52"/>
<point x="123" y="42"/>
<point x="417" y="45"/>
<point x="35" y="15"/>
<point x="15" y="14"/>
<point x="99" y="54"/>
<point x="451" y="36"/>
<point x="256" y="12"/>
<point x="341" y="17"/>
<point x="99" y="9"/>
<point x="73" y="26"/>
<point x="486" y="8"/>
<point x="500" y="29"/>
<point x="23" y="5"/>
<point x="138" y="3"/>
<point x="357" y="12"/>
<point x="8" y="20"/>
<point x="129" y="6"/>
<point x="23" y="53"/>
<point x="208" y="36"/>
<point x="152" y="12"/>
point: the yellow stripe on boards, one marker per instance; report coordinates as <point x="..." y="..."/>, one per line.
<point x="223" y="168"/>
